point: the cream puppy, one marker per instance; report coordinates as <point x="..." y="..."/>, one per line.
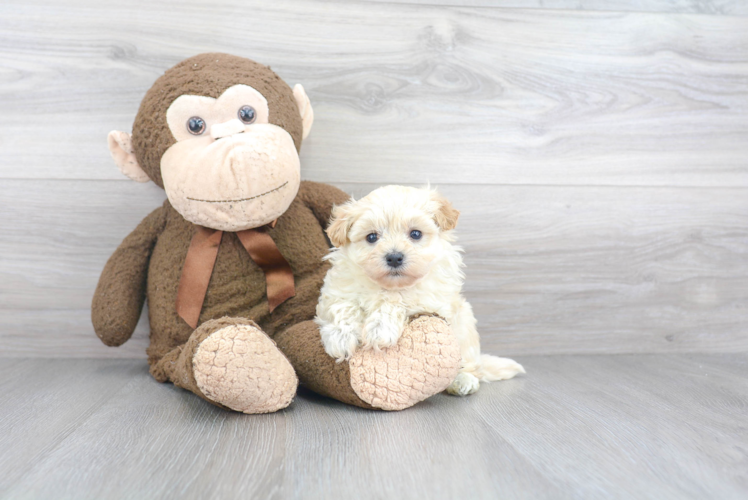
<point x="394" y="258"/>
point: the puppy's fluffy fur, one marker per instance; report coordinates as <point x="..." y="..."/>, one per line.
<point x="366" y="303"/>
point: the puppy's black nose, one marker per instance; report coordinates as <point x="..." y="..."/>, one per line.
<point x="394" y="259"/>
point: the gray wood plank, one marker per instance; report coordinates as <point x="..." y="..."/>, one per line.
<point x="629" y="426"/>
<point x="64" y="333"/>
<point x="549" y="269"/>
<point x="43" y="401"/>
<point x="403" y="93"/>
<point x="711" y="7"/>
<point x="635" y="426"/>
<point x="156" y="441"/>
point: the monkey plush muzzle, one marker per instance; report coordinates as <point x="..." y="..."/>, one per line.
<point x="238" y="181"/>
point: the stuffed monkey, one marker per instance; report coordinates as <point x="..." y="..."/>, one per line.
<point x="231" y="264"/>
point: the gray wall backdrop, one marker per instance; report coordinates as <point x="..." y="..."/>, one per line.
<point x="598" y="152"/>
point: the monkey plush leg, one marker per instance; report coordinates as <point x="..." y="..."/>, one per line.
<point x="424" y="362"/>
<point x="233" y="364"/>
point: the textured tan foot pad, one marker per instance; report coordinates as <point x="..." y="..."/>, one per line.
<point x="239" y="367"/>
<point x="424" y="362"/>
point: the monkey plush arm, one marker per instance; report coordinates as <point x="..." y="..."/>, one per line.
<point x="120" y="294"/>
<point x="320" y="198"/>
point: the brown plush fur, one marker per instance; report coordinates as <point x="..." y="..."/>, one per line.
<point x="119" y="297"/>
<point x="206" y="75"/>
<point x="237" y="285"/>
<point x="177" y="364"/>
<point x="315" y="368"/>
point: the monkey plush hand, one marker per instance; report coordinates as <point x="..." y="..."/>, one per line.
<point x="231" y="264"/>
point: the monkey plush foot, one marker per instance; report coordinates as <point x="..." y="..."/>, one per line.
<point x="423" y="363"/>
<point x="233" y="364"/>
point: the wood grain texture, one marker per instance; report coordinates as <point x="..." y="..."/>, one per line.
<point x="402" y="93"/>
<point x="599" y="159"/>
<point x="549" y="269"/>
<point x="711" y="7"/>
<point x="619" y="427"/>
<point x="44" y="401"/>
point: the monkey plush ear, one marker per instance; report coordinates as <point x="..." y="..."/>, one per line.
<point x="120" y="146"/>
<point x="305" y="109"/>
<point x="341" y="222"/>
<point x="446" y="215"/>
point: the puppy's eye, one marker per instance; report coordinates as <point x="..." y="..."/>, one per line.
<point x="372" y="237"/>
<point x="196" y="125"/>
<point x="416" y="234"/>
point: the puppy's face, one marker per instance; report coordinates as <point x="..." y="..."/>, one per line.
<point x="393" y="234"/>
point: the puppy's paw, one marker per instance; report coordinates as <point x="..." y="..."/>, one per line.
<point x="340" y="341"/>
<point x="464" y="384"/>
<point x="381" y="331"/>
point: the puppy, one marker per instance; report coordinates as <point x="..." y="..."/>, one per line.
<point x="394" y="258"/>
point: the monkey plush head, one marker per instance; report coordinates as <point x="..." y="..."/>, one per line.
<point x="221" y="134"/>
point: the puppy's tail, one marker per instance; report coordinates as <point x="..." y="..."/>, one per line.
<point x="492" y="368"/>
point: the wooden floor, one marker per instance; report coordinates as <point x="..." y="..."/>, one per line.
<point x="615" y="426"/>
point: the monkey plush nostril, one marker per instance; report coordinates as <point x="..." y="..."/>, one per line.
<point x="394" y="259"/>
<point x="226" y="129"/>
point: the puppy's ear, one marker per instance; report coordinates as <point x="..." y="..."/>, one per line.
<point x="340" y="223"/>
<point x="446" y="215"/>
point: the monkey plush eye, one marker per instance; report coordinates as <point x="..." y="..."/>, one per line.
<point x="247" y="114"/>
<point x="372" y="237"/>
<point x="416" y="234"/>
<point x="196" y="125"/>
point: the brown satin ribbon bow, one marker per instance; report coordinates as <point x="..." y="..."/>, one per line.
<point x="201" y="257"/>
